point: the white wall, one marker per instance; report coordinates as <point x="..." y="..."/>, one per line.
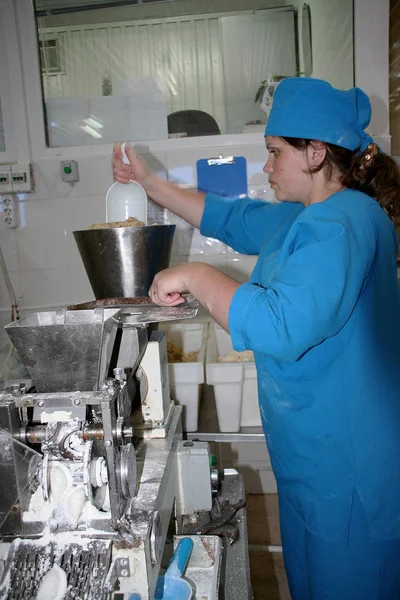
<point x="371" y="35"/>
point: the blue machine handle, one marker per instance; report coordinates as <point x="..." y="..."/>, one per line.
<point x="180" y="558"/>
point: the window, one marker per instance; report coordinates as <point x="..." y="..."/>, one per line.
<point x="49" y="56"/>
<point x="152" y="70"/>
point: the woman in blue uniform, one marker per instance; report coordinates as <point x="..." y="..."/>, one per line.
<point x="321" y="311"/>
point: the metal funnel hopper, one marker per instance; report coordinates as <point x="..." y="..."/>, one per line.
<point x="66" y="350"/>
<point x="122" y="262"/>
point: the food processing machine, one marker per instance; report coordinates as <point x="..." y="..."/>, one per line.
<point x="98" y="483"/>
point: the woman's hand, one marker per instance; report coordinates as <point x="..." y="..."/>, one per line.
<point x="168" y="285"/>
<point x="212" y="288"/>
<point x="187" y="204"/>
<point x="138" y="169"/>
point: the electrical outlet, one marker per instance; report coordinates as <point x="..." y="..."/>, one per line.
<point x="10" y="211"/>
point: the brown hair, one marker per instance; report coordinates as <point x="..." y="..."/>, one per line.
<point x="372" y="172"/>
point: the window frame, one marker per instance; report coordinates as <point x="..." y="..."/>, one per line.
<point x="43" y="40"/>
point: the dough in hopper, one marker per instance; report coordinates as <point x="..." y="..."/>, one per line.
<point x="130" y="222"/>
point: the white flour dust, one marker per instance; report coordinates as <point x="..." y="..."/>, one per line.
<point x="53" y="585"/>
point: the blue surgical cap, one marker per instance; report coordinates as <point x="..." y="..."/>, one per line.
<point x="312" y="109"/>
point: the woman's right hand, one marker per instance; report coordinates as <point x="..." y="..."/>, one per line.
<point x="187" y="204"/>
<point x="138" y="169"/>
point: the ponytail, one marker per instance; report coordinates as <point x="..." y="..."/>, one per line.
<point x="378" y="175"/>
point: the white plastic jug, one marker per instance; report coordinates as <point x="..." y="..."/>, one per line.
<point x="124" y="200"/>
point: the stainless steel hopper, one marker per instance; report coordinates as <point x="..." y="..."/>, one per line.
<point x="66" y="350"/>
<point x="122" y="262"/>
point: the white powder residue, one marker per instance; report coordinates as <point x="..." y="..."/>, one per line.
<point x="58" y="416"/>
<point x="54" y="513"/>
<point x="39" y="510"/>
<point x="75" y="442"/>
<point x="91" y="513"/>
<point x="61" y="540"/>
<point x="53" y="585"/>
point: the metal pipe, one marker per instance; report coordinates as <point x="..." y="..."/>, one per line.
<point x="34" y="434"/>
<point x="92" y="432"/>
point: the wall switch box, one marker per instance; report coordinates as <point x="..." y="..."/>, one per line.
<point x="21" y="178"/>
<point x="5" y="179"/>
<point x="69" y="171"/>
<point x="10" y="211"/>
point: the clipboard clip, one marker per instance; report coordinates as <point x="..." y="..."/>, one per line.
<point x="228" y="160"/>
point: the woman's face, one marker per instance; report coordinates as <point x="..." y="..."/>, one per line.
<point x="287" y="169"/>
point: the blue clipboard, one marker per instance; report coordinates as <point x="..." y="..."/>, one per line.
<point x="223" y="176"/>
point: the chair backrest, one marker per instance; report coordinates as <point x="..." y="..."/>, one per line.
<point x="192" y="122"/>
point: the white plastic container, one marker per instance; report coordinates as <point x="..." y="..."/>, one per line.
<point x="185" y="378"/>
<point x="124" y="200"/>
<point x="235" y="384"/>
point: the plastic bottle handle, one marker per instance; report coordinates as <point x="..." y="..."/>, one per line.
<point x="125" y="158"/>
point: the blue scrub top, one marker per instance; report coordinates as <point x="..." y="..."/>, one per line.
<point x="321" y="312"/>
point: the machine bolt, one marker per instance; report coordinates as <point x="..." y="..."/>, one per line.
<point x="108" y="444"/>
<point x="125" y="562"/>
<point x="77" y="401"/>
<point x="124" y="573"/>
<point x="41" y="403"/>
<point x="110" y="386"/>
<point x="118" y="373"/>
<point x="127" y="431"/>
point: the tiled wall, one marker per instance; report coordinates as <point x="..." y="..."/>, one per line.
<point x="41" y="255"/>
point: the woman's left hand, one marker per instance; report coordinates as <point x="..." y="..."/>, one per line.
<point x="168" y="285"/>
<point x="212" y="288"/>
